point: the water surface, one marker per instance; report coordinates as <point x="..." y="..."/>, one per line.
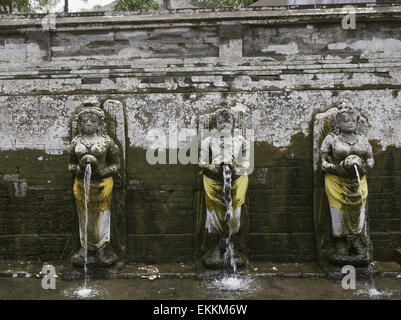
<point x="177" y="289"/>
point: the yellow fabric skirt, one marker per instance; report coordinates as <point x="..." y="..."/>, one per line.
<point x="100" y="194"/>
<point x="345" y="202"/>
<point x="98" y="227"/>
<point x="215" y="203"/>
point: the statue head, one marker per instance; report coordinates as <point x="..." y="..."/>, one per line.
<point x="347" y="118"/>
<point x="91" y="118"/>
<point x="225" y="119"/>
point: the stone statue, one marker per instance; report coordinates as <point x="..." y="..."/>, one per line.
<point x="346" y="155"/>
<point x="224" y="159"/>
<point x="93" y="146"/>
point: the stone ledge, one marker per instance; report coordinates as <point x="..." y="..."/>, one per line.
<point x="287" y="15"/>
<point x="386" y="269"/>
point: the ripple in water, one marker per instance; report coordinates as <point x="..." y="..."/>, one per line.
<point x="85" y="293"/>
<point x="373" y="293"/>
<point x="233" y="283"/>
<point x="230" y="287"/>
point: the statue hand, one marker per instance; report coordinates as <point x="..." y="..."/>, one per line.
<point x="370" y="163"/>
<point x="237" y="164"/>
<point x="329" y="167"/>
<point x="79" y="171"/>
<point x="88" y="159"/>
<point x="213" y="168"/>
<point x="107" y="171"/>
<point x="351" y="161"/>
<point x="76" y="169"/>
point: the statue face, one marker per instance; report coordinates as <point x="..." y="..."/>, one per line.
<point x="89" y="123"/>
<point x="224" y="121"/>
<point x="348" y="122"/>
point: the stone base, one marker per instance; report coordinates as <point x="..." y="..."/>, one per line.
<point x="204" y="273"/>
<point x="104" y="257"/>
<point x="333" y="271"/>
<point x="365" y="273"/>
<point x="356" y="261"/>
<point x="214" y="259"/>
<point x="93" y="272"/>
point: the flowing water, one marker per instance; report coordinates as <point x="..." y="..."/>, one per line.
<point x="227" y="188"/>
<point x="229" y="282"/>
<point x="372" y="291"/>
<point x="86" y="292"/>
<point x="359" y="181"/>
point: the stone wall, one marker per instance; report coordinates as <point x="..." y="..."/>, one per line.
<point x="284" y="64"/>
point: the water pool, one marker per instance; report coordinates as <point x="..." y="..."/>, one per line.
<point x="272" y="288"/>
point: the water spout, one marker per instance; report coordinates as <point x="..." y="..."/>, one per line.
<point x="229" y="214"/>
<point x="372" y="280"/>
<point x="87" y="179"/>
<point x="359" y="181"/>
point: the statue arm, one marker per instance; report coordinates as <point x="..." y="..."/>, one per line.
<point x="204" y="153"/>
<point x="325" y="153"/>
<point x="245" y="155"/>
<point x="72" y="157"/>
<point x="113" y="155"/>
<point x="370" y="162"/>
<point x="204" y="156"/>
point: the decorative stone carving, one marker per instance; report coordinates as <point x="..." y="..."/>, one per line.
<point x="342" y="157"/>
<point x="224" y="160"/>
<point x="92" y="145"/>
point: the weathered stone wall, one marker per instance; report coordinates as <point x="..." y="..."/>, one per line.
<point x="285" y="65"/>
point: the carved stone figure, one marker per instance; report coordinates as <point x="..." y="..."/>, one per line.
<point x="345" y="155"/>
<point x="93" y="146"/>
<point x="224" y="159"/>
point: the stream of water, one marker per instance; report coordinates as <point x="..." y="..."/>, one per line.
<point x="85" y="291"/>
<point x="227" y="188"/>
<point x="372" y="291"/>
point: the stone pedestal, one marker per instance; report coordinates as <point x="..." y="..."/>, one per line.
<point x="214" y="258"/>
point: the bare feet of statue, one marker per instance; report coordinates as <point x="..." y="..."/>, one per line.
<point x="342" y="246"/>
<point x="106" y="255"/>
<point x="78" y="258"/>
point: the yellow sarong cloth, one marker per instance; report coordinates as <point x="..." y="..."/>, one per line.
<point x="345" y="199"/>
<point x="98" y="227"/>
<point x="215" y="202"/>
<point x="99" y="195"/>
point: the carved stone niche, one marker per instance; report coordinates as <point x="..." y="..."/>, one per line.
<point x="114" y="128"/>
<point x="334" y="249"/>
<point x="213" y="231"/>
